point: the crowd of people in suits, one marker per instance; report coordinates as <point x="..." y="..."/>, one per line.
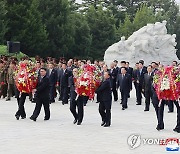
<point x="56" y="79"/>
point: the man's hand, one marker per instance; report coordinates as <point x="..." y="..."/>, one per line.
<point x="33" y="91"/>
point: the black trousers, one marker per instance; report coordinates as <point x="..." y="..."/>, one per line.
<point x="171" y="106"/>
<point x="52" y="93"/>
<point x="178" y="114"/>
<point x="37" y="110"/>
<point x="139" y="93"/>
<point x="80" y="106"/>
<point x="105" y="111"/>
<point x="124" y="98"/>
<point x="159" y="111"/>
<point x="77" y="104"/>
<point x="148" y="97"/>
<point x="21" y="111"/>
<point x="64" y="94"/>
<point x="114" y="91"/>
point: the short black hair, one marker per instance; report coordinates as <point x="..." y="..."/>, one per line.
<point x="150" y="66"/>
<point x="124" y="62"/>
<point x="115" y="61"/>
<point x="124" y="68"/>
<point x="142" y="62"/>
<point x="175" y="62"/>
<point x="43" y="68"/>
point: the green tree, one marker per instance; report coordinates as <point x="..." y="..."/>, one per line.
<point x="102" y="28"/>
<point x="125" y="29"/>
<point x="3" y="21"/>
<point x="56" y="17"/>
<point x="143" y="16"/>
<point x="82" y="36"/>
<point x="26" y="26"/>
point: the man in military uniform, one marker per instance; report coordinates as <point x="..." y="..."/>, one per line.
<point x="10" y="81"/>
<point x="3" y="89"/>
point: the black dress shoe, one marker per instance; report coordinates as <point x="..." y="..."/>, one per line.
<point x="45" y="119"/>
<point x="123" y="108"/>
<point x="146" y="110"/>
<point x="176" y="130"/>
<point x="79" y="123"/>
<point x="159" y="128"/>
<point x="75" y="121"/>
<point x="8" y="99"/>
<point x="103" y="123"/>
<point x="107" y="125"/>
<point x="23" y="117"/>
<point x="17" y="117"/>
<point x="138" y="104"/>
<point x="170" y="111"/>
<point x="32" y="118"/>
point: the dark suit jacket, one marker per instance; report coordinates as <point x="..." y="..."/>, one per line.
<point x="64" y="77"/>
<point x="147" y="83"/>
<point x="52" y="77"/>
<point x="139" y="77"/>
<point x="130" y="71"/>
<point x="113" y="74"/>
<point x="104" y="91"/>
<point x="73" y="94"/>
<point x="124" y="83"/>
<point x="42" y="89"/>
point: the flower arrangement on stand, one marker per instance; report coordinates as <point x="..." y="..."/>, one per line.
<point x="88" y="80"/>
<point x="26" y="76"/>
<point x="166" y="82"/>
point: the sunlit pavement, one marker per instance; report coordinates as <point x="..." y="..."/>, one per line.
<point x="59" y="134"/>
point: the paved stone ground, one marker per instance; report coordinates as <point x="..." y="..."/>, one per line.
<point x="60" y="136"/>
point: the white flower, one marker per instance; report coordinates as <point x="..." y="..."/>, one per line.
<point x="83" y="83"/>
<point x="20" y="80"/>
<point x="165" y="84"/>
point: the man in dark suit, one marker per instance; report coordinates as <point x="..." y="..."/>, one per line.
<point x="177" y="128"/>
<point x="52" y="74"/>
<point x="42" y="96"/>
<point x="105" y="99"/>
<point x="78" y="116"/>
<point x="159" y="108"/>
<point x="124" y="82"/>
<point x="138" y="79"/>
<point x="148" y="78"/>
<point x="129" y="69"/>
<point x="64" y="75"/>
<point x="21" y="98"/>
<point x="113" y="77"/>
<point x="116" y="65"/>
<point x="130" y="72"/>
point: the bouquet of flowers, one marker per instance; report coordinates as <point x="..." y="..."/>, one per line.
<point x="26" y="76"/>
<point x="166" y="82"/>
<point x="89" y="78"/>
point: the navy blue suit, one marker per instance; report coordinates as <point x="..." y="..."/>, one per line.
<point x="52" y="84"/>
<point x="113" y="75"/>
<point x="42" y="98"/>
<point x="75" y="103"/>
<point x="139" y="79"/>
<point x="105" y="99"/>
<point x="63" y="81"/>
<point x="124" y="82"/>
